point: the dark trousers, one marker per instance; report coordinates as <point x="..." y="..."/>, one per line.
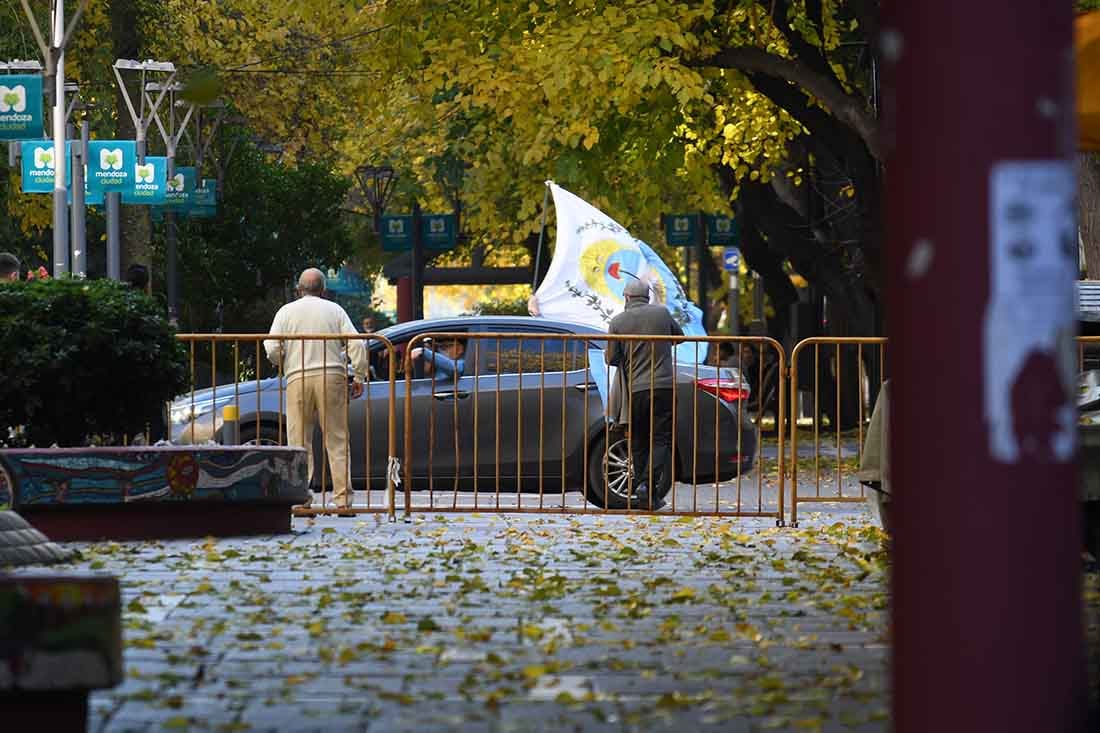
<point x="659" y="437"/>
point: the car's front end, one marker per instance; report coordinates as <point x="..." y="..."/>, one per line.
<point x="196" y="417"/>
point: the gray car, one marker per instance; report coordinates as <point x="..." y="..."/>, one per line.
<point x="526" y="413"/>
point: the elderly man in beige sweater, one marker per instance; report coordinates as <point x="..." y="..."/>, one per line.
<point x="316" y="374"/>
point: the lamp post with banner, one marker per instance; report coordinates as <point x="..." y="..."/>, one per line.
<point x="53" y="53"/>
<point x="376" y="182"/>
<point x="143" y="115"/>
<point x="171" y="135"/>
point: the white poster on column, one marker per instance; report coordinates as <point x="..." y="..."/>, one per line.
<point x="1028" y="332"/>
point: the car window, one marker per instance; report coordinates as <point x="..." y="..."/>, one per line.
<point x="532" y="355"/>
<point x="400" y="346"/>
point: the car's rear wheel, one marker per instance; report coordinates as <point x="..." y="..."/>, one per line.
<point x="609" y="483"/>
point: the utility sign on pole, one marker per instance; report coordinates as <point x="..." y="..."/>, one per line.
<point x="20" y="107"/>
<point x="731" y="259"/>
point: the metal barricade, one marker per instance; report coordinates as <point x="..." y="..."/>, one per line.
<point x="232" y="369"/>
<point x="854" y="369"/>
<point x="521" y="425"/>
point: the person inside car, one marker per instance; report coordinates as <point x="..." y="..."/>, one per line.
<point x="446" y="362"/>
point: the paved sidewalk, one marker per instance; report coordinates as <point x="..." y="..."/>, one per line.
<point x="505" y="623"/>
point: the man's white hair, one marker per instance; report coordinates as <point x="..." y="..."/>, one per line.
<point x="312" y="281"/>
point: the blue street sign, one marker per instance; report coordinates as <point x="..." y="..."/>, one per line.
<point x="20" y="107"/>
<point x="731" y="259"/>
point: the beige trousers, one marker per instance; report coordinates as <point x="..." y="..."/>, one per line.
<point x="324" y="395"/>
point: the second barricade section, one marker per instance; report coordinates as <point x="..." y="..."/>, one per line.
<point x="537" y="422"/>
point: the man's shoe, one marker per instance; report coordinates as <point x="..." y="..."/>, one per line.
<point x="344" y="510"/>
<point x="640" y="500"/>
<point x="642" y="503"/>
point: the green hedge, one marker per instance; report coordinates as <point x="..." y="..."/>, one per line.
<point x="83" y="358"/>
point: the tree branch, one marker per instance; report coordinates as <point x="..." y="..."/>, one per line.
<point x="847" y="109"/>
<point x="765" y="261"/>
<point x="813" y="56"/>
<point x="821" y="265"/>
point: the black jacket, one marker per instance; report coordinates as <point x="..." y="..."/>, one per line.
<point x="637" y="358"/>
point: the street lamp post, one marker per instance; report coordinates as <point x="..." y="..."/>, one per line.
<point x="377" y="184"/>
<point x="142" y="115"/>
<point x="171" y="136"/>
<point x="54" y="55"/>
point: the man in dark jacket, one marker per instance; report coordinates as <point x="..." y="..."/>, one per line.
<point x="647" y="369"/>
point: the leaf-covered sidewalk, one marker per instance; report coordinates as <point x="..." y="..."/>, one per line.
<point x="505" y="623"/>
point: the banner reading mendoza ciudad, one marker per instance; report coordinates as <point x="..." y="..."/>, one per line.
<point x="594" y="259"/>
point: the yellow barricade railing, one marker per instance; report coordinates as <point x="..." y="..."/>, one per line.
<point x="522" y="426"/>
<point x="241" y="376"/>
<point x="835" y="403"/>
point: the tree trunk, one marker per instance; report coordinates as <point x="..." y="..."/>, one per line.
<point x="135" y="230"/>
<point x="1089" y="205"/>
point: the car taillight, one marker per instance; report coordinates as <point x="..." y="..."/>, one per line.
<point x="724" y="390"/>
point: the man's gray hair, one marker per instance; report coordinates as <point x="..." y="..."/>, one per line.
<point x="636" y="289"/>
<point x="312" y="281"/>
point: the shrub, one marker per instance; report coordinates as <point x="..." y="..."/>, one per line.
<point x="82" y="358"/>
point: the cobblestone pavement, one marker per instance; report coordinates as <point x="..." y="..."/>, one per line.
<point x="505" y="623"/>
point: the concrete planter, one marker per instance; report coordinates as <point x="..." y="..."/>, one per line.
<point x="154" y="492"/>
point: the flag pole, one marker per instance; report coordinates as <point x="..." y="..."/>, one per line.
<point x="542" y="233"/>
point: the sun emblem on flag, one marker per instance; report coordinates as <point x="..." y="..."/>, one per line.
<point x="607" y="266"/>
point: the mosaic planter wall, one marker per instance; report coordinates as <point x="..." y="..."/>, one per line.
<point x="74" y="476"/>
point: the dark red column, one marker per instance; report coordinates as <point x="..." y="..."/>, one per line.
<point x="404" y="300"/>
<point x="987" y="567"/>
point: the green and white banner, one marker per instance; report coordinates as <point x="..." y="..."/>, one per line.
<point x="181" y="188"/>
<point x="39" y="166"/>
<point x="150" y="182"/>
<point x="111" y="165"/>
<point x="204" y="201"/>
<point x="20" y="107"/>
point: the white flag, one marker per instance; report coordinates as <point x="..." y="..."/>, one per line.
<point x="594" y="259"/>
